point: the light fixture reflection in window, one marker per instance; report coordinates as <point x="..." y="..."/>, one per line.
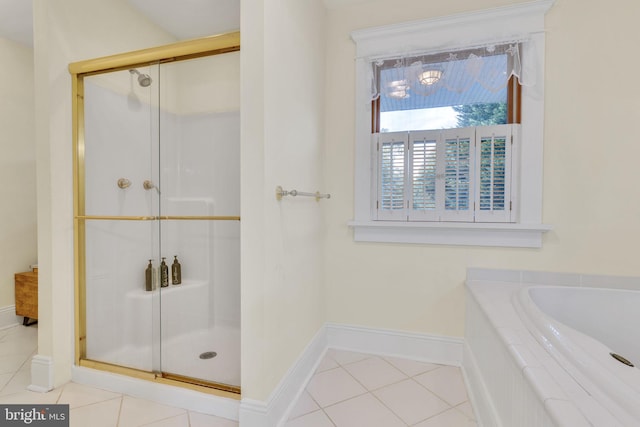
<point x="398" y="89"/>
<point x="430" y="77"/>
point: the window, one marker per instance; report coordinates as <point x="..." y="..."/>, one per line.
<point x="461" y="175"/>
<point x="433" y="186"/>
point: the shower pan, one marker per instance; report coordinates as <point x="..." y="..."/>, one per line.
<point x="157" y="205"/>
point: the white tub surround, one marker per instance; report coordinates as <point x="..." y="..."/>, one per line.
<point x="518" y="376"/>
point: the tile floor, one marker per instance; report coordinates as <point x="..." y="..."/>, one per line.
<point x="347" y="390"/>
<point x="360" y="390"/>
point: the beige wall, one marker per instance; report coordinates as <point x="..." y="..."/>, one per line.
<point x="590" y="171"/>
<point x="68" y="31"/>
<point x="282" y="66"/>
<point x="17" y="166"/>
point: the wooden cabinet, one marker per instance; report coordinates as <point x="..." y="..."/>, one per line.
<point x="27" y="295"/>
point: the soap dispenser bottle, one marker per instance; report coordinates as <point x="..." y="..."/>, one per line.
<point x="148" y="278"/>
<point x="176" y="271"/>
<point x="164" y="274"/>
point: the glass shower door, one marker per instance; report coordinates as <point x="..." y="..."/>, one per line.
<point x="200" y="203"/>
<point x="121" y="233"/>
<point x="160" y="188"/>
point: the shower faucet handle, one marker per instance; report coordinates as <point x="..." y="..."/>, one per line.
<point x="149" y="185"/>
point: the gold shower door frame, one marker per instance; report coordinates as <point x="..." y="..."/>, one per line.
<point x="207" y="46"/>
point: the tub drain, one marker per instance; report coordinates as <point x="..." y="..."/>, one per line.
<point x="621" y="359"/>
<point x="208" y="355"/>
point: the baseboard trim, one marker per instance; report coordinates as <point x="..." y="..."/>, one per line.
<point x="41" y="374"/>
<point x="387" y="342"/>
<point x="383" y="342"/>
<point x="8" y="317"/>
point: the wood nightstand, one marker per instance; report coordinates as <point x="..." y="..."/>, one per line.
<point x="27" y="296"/>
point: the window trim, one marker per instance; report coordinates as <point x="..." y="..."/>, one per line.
<point x="486" y="26"/>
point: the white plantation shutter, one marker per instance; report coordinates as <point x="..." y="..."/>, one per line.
<point x="392" y="173"/>
<point x="463" y="175"/>
<point x="494" y="173"/>
<point x="423" y="172"/>
<point x="458" y="194"/>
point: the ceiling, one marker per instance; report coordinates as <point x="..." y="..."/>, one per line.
<point x="185" y="19"/>
<point x="16" y="22"/>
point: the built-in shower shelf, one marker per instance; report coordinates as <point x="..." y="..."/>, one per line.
<point x="185" y="286"/>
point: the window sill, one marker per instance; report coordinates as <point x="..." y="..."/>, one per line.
<point x="450" y="233"/>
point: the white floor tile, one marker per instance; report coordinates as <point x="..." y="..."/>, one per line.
<point x="374" y="373"/>
<point x="76" y="395"/>
<point x="326" y="363"/>
<point x="13" y="362"/>
<point x="4" y="379"/>
<point x="136" y="412"/>
<point x="363" y="411"/>
<point x="314" y="419"/>
<point x="17" y="384"/>
<point x="344" y="357"/>
<point x="450" y="418"/>
<point x="411" y="401"/>
<point x="304" y="405"/>
<point x="179" y="421"/>
<point x="338" y="386"/>
<point x="333" y="386"/>
<point x="446" y="382"/>
<point x="30" y="397"/>
<point x="411" y="367"/>
<point x="203" y="420"/>
<point x="102" y="414"/>
<point x="467" y="410"/>
<point x="26" y="366"/>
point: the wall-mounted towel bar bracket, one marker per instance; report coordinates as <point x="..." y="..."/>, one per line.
<point x="280" y="193"/>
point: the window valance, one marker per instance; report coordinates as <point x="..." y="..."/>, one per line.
<point x="455" y="77"/>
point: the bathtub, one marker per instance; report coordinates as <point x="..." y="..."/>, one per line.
<point x="539" y="355"/>
<point x="581" y="328"/>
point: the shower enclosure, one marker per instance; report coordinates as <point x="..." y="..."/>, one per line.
<point x="157" y="182"/>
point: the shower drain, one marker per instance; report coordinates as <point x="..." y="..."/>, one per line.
<point x="208" y="355"/>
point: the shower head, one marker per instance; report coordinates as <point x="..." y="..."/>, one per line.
<point x="144" y="80"/>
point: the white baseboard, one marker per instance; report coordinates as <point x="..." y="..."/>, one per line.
<point x="41" y="374"/>
<point x="8" y="317"/>
<point x="384" y="342"/>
